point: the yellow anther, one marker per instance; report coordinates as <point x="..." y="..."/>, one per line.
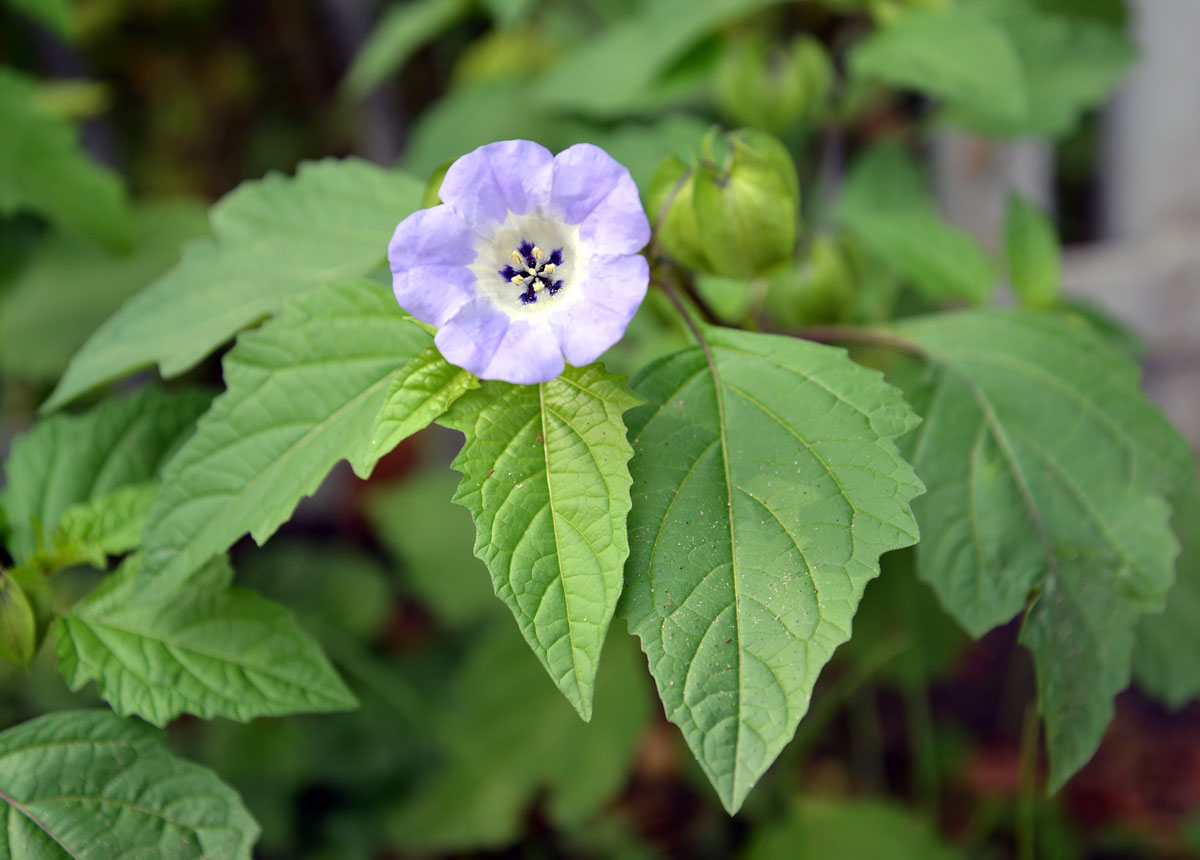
<point x="549" y="270"/>
<point x="538" y="253"/>
<point x="518" y="280"/>
<point x="516" y="258"/>
<point x="538" y="285"/>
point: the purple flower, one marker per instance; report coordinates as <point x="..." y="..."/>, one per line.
<point x="533" y="259"/>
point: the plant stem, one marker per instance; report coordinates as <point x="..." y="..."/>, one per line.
<point x="859" y="336"/>
<point x="1027" y="786"/>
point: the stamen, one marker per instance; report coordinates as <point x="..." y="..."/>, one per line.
<point x="549" y="269"/>
<point x="538" y="285"/>
<point x="538" y="253"/>
<point x="516" y="258"/>
<point x="517" y="279"/>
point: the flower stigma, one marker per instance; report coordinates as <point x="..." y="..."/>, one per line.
<point x="533" y="271"/>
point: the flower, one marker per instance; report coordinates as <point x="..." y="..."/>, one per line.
<point x="532" y="260"/>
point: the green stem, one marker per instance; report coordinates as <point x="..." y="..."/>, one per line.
<point x="859" y="336"/>
<point x="1027" y="782"/>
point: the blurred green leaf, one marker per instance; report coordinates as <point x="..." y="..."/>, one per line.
<point x="403" y="28"/>
<point x="1034" y="263"/>
<point x="303" y="393"/>
<point x="43" y="169"/>
<point x="826" y="829"/>
<point x="205" y="649"/>
<point x="949" y="53"/>
<point x="420" y="391"/>
<point x="274" y="238"/>
<point x="509" y="13"/>
<point x="1071" y="64"/>
<point x="68" y="460"/>
<point x="899" y="608"/>
<point x="435" y="541"/>
<point x="54" y="14"/>
<point x="885" y="207"/>
<point x="546" y="478"/>
<point x="70" y="286"/>
<point x="501" y="708"/>
<point x="87" y="785"/>
<point x="330" y="584"/>
<point x="1164" y="659"/>
<point x="766" y="486"/>
<point x="608" y="73"/>
<point x="1046" y="470"/>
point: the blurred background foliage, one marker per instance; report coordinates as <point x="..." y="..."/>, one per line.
<point x="920" y="743"/>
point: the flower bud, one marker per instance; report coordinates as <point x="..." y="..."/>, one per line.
<point x="773" y="88"/>
<point x="25" y="611"/>
<point x="672" y="187"/>
<point x="746" y="208"/>
<point x="819" y="289"/>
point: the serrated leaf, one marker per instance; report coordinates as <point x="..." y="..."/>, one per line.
<point x="420" y="393"/>
<point x="87" y="785"/>
<point x="1031" y="244"/>
<point x="949" y="53"/>
<point x="1164" y="658"/>
<point x="766" y="486"/>
<point x="205" y="649"/>
<point x="68" y="460"/>
<point x="109" y="525"/>
<point x="71" y="285"/>
<point x="500" y="708"/>
<point x="303" y="393"/>
<point x="275" y="238"/>
<point x="1047" y="469"/>
<point x="43" y="169"/>
<point x="887" y="208"/>
<point x="545" y="475"/>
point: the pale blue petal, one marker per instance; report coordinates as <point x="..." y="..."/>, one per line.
<point x="429" y="254"/>
<point x="510" y="176"/>
<point x="594" y="190"/>
<point x="611" y="295"/>
<point x="485" y="341"/>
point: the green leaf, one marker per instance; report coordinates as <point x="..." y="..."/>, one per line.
<point x="949" y="53"/>
<point x="1034" y="264"/>
<point x="55" y="14"/>
<point x="1164" y="659"/>
<point x="69" y="460"/>
<point x="766" y="485"/>
<point x="109" y="525"/>
<point x="1071" y="63"/>
<point x="886" y="207"/>
<point x="303" y="393"/>
<point x="275" y="238"/>
<point x="828" y="829"/>
<point x="609" y="73"/>
<point x="419" y="394"/>
<point x="205" y="649"/>
<point x="71" y="285"/>
<point x="434" y="540"/>
<point x="43" y="169"/>
<point x="500" y="709"/>
<point x="545" y="475"/>
<point x="399" y="33"/>
<point x="87" y="785"/>
<point x="1046" y="468"/>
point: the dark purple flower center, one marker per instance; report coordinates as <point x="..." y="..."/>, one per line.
<point x="533" y="272"/>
